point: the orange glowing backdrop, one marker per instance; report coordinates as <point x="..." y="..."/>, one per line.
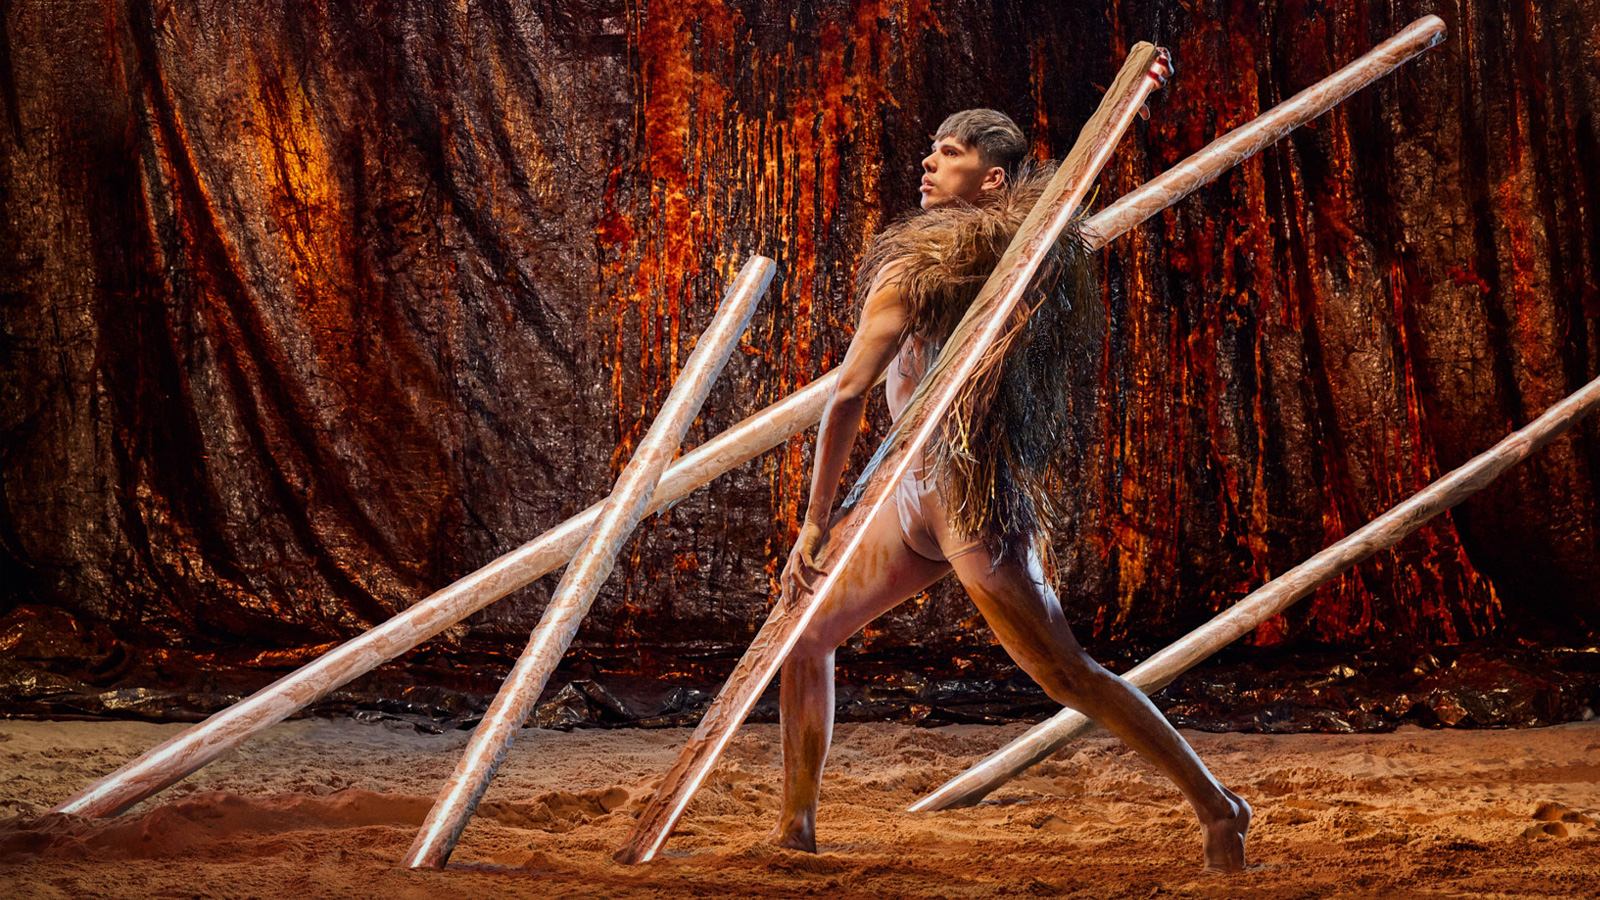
<point x="312" y="308"/>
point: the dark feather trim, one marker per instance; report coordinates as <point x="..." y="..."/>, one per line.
<point x="1010" y="444"/>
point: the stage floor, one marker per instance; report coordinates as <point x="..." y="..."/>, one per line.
<point x="324" y="809"/>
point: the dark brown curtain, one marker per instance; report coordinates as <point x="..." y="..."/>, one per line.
<point x="311" y="308"/>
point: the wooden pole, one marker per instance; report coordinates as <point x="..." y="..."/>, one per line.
<point x="1274" y="597"/>
<point x="1243" y="142"/>
<point x="1144" y="70"/>
<point x="184" y="753"/>
<point x="590" y="568"/>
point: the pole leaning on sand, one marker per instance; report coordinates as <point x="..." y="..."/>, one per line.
<point x="590" y="568"/>
<point x="966" y="349"/>
<point x="1238" y="145"/>
<point x="184" y="753"/>
<point x="1274" y="597"/>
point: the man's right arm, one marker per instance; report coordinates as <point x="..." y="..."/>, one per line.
<point x="877" y="340"/>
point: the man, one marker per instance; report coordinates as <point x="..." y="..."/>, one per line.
<point x="970" y="194"/>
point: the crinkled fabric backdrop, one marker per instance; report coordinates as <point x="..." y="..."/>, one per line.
<point x="312" y="308"/>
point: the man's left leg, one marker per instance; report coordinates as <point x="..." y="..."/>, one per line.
<point x="1019" y="604"/>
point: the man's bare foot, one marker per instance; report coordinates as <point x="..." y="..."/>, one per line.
<point x="1224" y="838"/>
<point x="800" y="836"/>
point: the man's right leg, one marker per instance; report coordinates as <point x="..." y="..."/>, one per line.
<point x="883" y="574"/>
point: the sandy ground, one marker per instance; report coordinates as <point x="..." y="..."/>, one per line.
<point x="325" y="808"/>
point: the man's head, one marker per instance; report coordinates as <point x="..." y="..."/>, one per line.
<point x="974" y="150"/>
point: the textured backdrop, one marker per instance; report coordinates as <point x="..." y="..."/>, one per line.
<point x="311" y="308"/>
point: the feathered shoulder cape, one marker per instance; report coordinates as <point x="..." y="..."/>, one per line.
<point x="1010" y="447"/>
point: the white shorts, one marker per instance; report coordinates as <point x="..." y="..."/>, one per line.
<point x="924" y="525"/>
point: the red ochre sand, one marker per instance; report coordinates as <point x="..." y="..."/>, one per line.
<point x="321" y="808"/>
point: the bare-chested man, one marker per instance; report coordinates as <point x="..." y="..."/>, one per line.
<point x="913" y="543"/>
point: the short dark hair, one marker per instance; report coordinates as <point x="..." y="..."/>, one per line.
<point x="998" y="139"/>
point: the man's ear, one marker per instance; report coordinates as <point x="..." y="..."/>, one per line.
<point x="995" y="177"/>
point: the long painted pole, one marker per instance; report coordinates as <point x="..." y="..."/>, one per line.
<point x="588" y="571"/>
<point x="1274" y="597"/>
<point x="1248" y="139"/>
<point x="966" y="348"/>
<point x="1161" y="192"/>
<point x="186" y="752"/>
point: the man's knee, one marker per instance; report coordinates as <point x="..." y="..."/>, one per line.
<point x="1069" y="675"/>
<point x="810" y="648"/>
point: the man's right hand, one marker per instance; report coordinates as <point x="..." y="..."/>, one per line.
<point x="802" y="573"/>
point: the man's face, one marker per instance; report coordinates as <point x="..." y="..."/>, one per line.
<point x="953" y="171"/>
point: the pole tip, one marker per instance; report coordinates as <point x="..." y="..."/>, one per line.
<point x="631" y="854"/>
<point x="1431" y="25"/>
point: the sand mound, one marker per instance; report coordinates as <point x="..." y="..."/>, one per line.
<point x="205" y="820"/>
